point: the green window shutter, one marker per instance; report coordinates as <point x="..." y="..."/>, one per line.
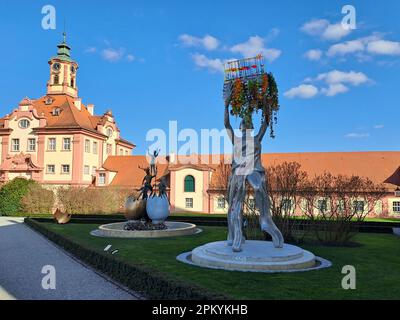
<point x="189" y="184"/>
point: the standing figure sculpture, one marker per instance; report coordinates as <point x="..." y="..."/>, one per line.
<point x="247" y="167"/>
<point x="153" y="158"/>
<point x="146" y="182"/>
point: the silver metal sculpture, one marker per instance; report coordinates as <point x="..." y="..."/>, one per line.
<point x="247" y="167"/>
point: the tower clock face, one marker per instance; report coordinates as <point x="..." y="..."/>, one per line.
<point x="56" y="66"/>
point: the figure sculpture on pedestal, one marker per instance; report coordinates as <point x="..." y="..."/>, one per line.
<point x="250" y="95"/>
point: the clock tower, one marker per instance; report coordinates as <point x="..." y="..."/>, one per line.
<point x="63" y="72"/>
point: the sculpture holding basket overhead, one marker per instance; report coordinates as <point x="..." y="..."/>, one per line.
<point x="248" y="89"/>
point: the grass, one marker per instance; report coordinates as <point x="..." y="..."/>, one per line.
<point x="376" y="260"/>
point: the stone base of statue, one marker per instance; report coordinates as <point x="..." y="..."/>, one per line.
<point x="256" y="256"/>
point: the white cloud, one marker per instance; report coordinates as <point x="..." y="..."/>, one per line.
<point x="335" y="77"/>
<point x="303" y="91"/>
<point x="313" y="54"/>
<point x="112" y="55"/>
<point x="335" y="32"/>
<point x="346" y="48"/>
<point x="315" y="27"/>
<point x="334" y="89"/>
<point x="254" y="46"/>
<point x="384" y="47"/>
<point x="355" y="135"/>
<point x="325" y="30"/>
<point x="352" y="46"/>
<point x="91" y="50"/>
<point x="329" y="84"/>
<point x="214" y="65"/>
<point x="130" y="57"/>
<point x="379" y="126"/>
<point x="208" y="42"/>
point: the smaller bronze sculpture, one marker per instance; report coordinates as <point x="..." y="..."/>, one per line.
<point x="146" y="182"/>
<point x="154" y="155"/>
<point x="162" y="187"/>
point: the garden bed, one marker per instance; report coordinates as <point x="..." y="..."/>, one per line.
<point x="149" y="266"/>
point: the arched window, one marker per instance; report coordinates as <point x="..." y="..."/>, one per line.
<point x="56" y="79"/>
<point x="189" y="184"/>
<point x="72" y="83"/>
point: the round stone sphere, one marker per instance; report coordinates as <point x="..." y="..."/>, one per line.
<point x="135" y="209"/>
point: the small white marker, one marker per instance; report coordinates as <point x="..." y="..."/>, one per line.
<point x="115" y="251"/>
<point x="108" y="247"/>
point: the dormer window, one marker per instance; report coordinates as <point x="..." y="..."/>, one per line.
<point x="48" y="101"/>
<point x="56" y="111"/>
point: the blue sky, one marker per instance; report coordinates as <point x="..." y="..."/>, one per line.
<point x="155" y="61"/>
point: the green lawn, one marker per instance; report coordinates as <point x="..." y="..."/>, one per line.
<point x="377" y="262"/>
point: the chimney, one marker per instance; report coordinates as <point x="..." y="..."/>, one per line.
<point x="171" y="158"/>
<point x="90" y="108"/>
<point x="78" y="104"/>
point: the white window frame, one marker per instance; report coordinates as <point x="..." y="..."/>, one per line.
<point x="65" y="166"/>
<point x="355" y="206"/>
<point x="51" y="171"/>
<point x="87" y="145"/>
<point x="15" y="145"/>
<point x="396" y="206"/>
<point x="109" y="149"/>
<point x="102" y="178"/>
<point x="50" y="146"/>
<point x="189" y="203"/>
<point x="65" y="143"/>
<point x="221" y="203"/>
<point x="24" y="121"/>
<point x="31" y="147"/>
<point x="95" y="147"/>
<point x="86" y="170"/>
<point x="319" y="205"/>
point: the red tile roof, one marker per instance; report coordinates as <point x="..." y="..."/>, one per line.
<point x="69" y="117"/>
<point x="128" y="171"/>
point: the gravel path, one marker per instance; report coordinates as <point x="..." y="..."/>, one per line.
<point x="23" y="254"/>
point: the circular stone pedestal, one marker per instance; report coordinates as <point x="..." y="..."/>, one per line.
<point x="256" y="256"/>
<point x="174" y="229"/>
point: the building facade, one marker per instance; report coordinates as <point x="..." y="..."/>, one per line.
<point x="56" y="139"/>
<point x="194" y="185"/>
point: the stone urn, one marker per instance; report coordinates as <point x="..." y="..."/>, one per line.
<point x="135" y="209"/>
<point x="157" y="208"/>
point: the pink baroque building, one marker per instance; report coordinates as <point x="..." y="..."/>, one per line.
<point x="56" y="139"/>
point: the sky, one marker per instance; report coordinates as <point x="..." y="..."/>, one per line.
<point x="152" y="62"/>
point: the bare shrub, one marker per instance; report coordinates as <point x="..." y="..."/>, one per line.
<point x="38" y="200"/>
<point x="338" y="204"/>
<point x="104" y="200"/>
<point x="284" y="183"/>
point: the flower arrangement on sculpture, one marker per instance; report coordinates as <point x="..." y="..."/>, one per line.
<point x="251" y="90"/>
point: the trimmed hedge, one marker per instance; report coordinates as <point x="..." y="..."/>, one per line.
<point x="136" y="276"/>
<point x="11" y="195"/>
